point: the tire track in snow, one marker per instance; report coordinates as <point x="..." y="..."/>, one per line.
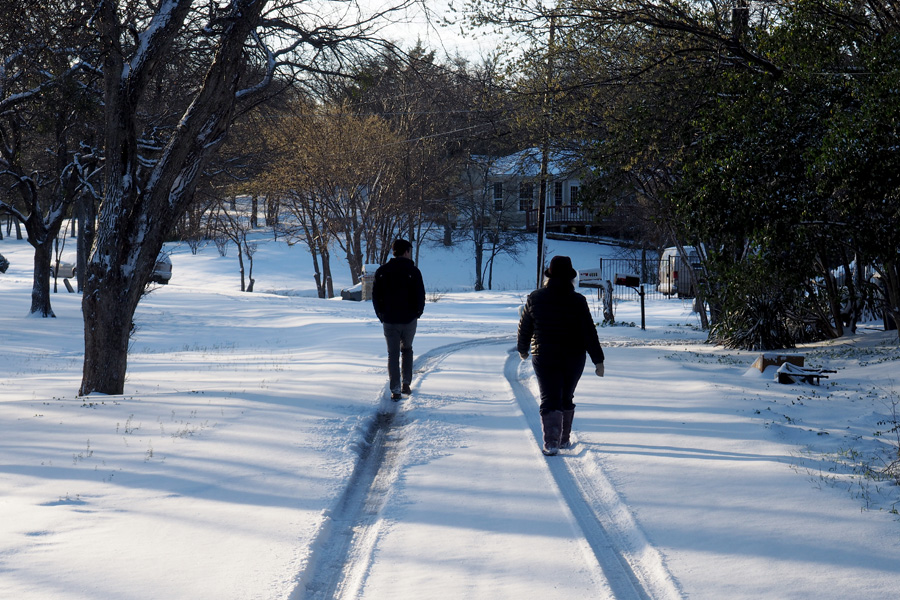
<point x="342" y="552"/>
<point x="633" y="568"/>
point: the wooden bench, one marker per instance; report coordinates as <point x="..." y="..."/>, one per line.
<point x="790" y="373"/>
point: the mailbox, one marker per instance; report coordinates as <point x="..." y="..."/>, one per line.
<point x="628" y="280"/>
<point x="590" y="278"/>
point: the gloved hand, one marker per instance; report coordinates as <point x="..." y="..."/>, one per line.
<point x="523" y="355"/>
<point x="599" y="369"/>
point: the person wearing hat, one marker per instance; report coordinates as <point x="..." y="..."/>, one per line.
<point x="398" y="297"/>
<point x="557" y="328"/>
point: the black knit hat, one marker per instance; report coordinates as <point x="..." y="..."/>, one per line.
<point x="561" y="268"/>
<point x="400" y="247"/>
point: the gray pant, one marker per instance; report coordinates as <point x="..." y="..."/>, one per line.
<point x="399" y="337"/>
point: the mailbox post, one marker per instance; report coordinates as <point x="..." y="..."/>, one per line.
<point x="633" y="281"/>
<point x="368" y="281"/>
<point x="593" y="278"/>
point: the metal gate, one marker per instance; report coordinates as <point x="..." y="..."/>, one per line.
<point x="646" y="270"/>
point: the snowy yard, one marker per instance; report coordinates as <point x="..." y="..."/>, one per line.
<point x="254" y="454"/>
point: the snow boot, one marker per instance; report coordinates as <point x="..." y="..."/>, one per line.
<point x="551" y="424"/>
<point x="564" y="441"/>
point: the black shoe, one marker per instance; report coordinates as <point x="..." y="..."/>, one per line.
<point x="395" y="396"/>
<point x="406" y="389"/>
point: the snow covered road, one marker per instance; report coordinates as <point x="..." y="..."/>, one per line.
<point x="464" y="502"/>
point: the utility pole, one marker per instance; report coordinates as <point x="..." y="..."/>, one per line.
<point x="546" y="119"/>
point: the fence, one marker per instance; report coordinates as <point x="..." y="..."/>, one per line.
<point x="559" y="215"/>
<point x="647" y="270"/>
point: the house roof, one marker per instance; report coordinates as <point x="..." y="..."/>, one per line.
<point x="527" y="163"/>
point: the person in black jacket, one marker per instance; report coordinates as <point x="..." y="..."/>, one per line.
<point x="557" y="328"/>
<point x="398" y="296"/>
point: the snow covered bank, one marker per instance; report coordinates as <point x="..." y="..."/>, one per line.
<point x="221" y="471"/>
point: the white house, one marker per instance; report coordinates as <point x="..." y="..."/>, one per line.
<point x="513" y="184"/>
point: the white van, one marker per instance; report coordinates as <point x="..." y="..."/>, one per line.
<point x="674" y="278"/>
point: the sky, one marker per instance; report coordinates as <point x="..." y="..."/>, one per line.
<point x="428" y="21"/>
<point x="255" y="453"/>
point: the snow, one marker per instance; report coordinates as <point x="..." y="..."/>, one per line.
<point x="255" y="455"/>
<point x="158" y="24"/>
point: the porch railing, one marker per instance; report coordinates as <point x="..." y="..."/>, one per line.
<point x="559" y="215"/>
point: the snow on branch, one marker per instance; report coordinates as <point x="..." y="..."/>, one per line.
<point x="270" y="69"/>
<point x="159" y="32"/>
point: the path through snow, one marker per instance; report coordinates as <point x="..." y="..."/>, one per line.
<point x="425" y="519"/>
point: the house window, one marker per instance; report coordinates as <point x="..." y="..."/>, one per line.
<point x="498" y="196"/>
<point x="526" y="196"/>
<point x="573" y="194"/>
<point x="558" y="193"/>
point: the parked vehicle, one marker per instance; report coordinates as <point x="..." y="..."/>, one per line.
<point x="66" y="269"/>
<point x="674" y="278"/>
<point x="162" y="270"/>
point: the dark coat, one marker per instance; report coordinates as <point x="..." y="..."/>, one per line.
<point x="557" y="323"/>
<point x="398" y="293"/>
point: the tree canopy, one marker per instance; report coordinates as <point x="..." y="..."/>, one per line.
<point x="761" y="133"/>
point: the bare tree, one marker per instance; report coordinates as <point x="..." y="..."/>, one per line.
<point x="489" y="222"/>
<point x="309" y="226"/>
<point x="156" y="148"/>
<point x="438" y="110"/>
<point x="336" y="175"/>
<point x="47" y="101"/>
<point x="235" y="225"/>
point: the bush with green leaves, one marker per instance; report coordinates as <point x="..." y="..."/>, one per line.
<point x="766" y="305"/>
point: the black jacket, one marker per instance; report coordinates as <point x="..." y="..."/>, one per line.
<point x="398" y="294"/>
<point x="557" y="323"/>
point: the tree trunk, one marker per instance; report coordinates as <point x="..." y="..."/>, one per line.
<point x="40" y="291"/>
<point x="86" y="214"/>
<point x="490" y="277"/>
<point x="311" y="231"/>
<point x="479" y="258"/>
<point x="448" y="234"/>
<point x="890" y="289"/>
<point x="832" y="296"/>
<point x="271" y="211"/>
<point x="106" y="339"/>
<point x="326" y="272"/>
<point x="248" y="252"/>
<point x="140" y="207"/>
<point x="241" y="265"/>
<point x="41" y="237"/>
<point x="851" y="311"/>
<point x="358" y="254"/>
<point x="352" y="260"/>
<point x="317" y="273"/>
